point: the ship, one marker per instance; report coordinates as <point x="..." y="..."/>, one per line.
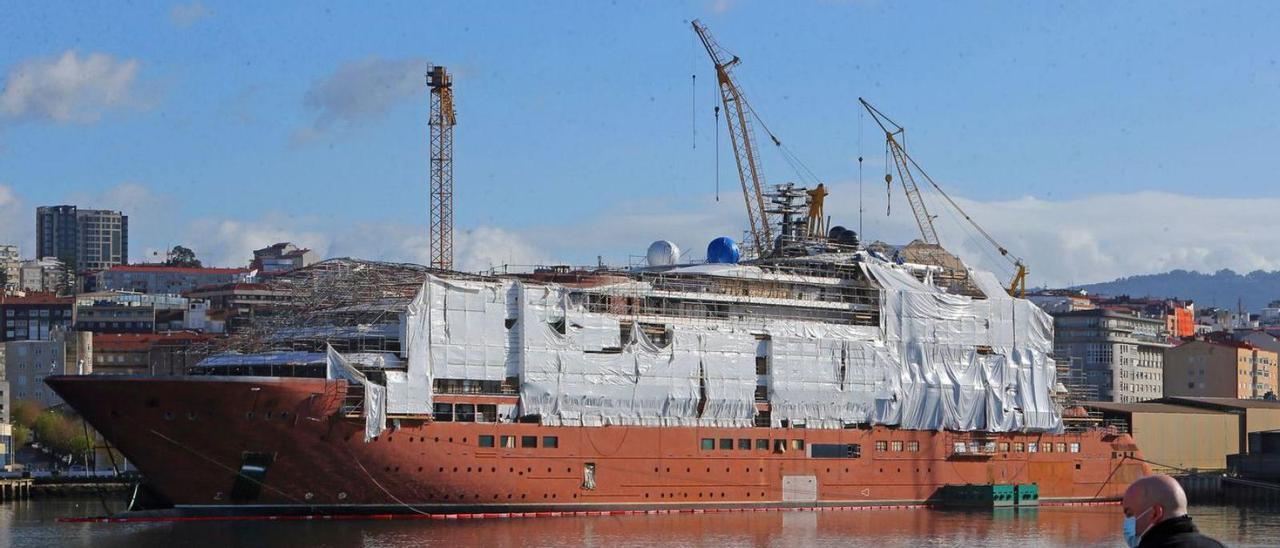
<point x="830" y="374"/>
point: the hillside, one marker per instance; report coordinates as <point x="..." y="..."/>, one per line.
<point x="1222" y="288"/>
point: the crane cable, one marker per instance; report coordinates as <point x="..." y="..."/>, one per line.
<point x="1004" y="252"/>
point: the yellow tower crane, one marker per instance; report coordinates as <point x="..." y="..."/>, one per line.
<point x="738" y="118"/>
<point x="905" y="165"/>
<point x="442" y="121"/>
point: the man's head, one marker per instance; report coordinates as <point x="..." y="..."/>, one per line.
<point x="1154" y="499"/>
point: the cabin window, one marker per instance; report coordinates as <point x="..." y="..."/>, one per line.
<point x="744" y="445"/>
<point x="1004" y="447"/>
<point x="1018" y="447"/>
<point x="486" y="413"/>
<point x="798" y="445"/>
<point x="726" y="444"/>
<point x="762" y="365"/>
<point x="708" y="444"/>
<point x="1032" y="447"/>
<point x="1046" y="447"/>
<point x="550" y="442"/>
<point x="895" y="445"/>
<point x="486" y="441"/>
<point x="836" y="451"/>
<point x="913" y="446"/>
<point x="762" y="445"/>
<point x="958" y="447"/>
<point x="1060" y="447"/>
<point x="882" y="446"/>
<point x="528" y="442"/>
<point x="465" y="412"/>
<point x="508" y="442"/>
<point x="443" y="412"/>
<point x="989" y="447"/>
<point x="1075" y="447"/>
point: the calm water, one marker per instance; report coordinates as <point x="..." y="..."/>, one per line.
<point x="32" y="524"/>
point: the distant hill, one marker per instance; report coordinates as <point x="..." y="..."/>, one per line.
<point x="1222" y="288"/>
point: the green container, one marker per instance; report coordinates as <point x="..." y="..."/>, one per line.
<point x="977" y="496"/>
<point x="1028" y="494"/>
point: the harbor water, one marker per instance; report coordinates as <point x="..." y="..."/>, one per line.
<point x="34" y="523"/>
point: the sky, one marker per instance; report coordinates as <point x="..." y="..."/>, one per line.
<point x="1092" y="139"/>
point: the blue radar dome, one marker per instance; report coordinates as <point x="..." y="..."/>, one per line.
<point x="723" y="250"/>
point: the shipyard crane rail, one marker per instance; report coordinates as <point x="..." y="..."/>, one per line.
<point x="738" y="119"/>
<point x="905" y="165"/>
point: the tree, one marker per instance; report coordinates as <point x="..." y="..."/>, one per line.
<point x="24" y="412"/>
<point x="182" y="256"/>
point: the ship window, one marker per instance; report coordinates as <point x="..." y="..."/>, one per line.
<point x="550" y="442"/>
<point x="708" y="444"/>
<point x="762" y="365"/>
<point x="989" y="447"/>
<point x="896" y="445"/>
<point x="1075" y="447"/>
<point x="508" y="442"/>
<point x="913" y="446"/>
<point x="1046" y="447"/>
<point x="882" y="446"/>
<point x="1032" y="447"/>
<point x="486" y="441"/>
<point x="744" y="444"/>
<point x="798" y="445"/>
<point x="836" y="451"/>
<point x="1004" y="447"/>
<point x="487" y="413"/>
<point x="527" y="442"/>
<point x="762" y="445"/>
<point x="443" y="412"/>
<point x="1060" y="447"/>
<point x="726" y="444"/>
<point x="465" y="412"/>
<point x="779" y="446"/>
<point x="1018" y="447"/>
<point x="957" y="447"/>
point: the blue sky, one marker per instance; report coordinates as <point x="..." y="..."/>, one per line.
<point x="223" y="127"/>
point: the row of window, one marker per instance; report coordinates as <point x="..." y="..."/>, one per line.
<point x="898" y="445"/>
<point x="1017" y="447"/>
<point x="526" y="442"/>
<point x="746" y="444"/>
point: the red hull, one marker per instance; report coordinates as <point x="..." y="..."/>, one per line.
<point x="190" y="437"/>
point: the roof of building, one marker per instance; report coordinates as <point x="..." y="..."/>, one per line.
<point x="1145" y="407"/>
<point x="175" y="269"/>
<point x="125" y="342"/>
<point x="36" y="298"/>
<point x="1225" y="403"/>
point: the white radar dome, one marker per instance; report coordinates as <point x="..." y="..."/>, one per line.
<point x="663" y="253"/>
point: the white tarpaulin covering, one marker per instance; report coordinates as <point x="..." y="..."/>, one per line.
<point x="937" y="361"/>
<point x="375" y="395"/>
<point x="945" y="381"/>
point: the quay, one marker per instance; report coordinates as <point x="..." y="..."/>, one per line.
<point x="13" y="489"/>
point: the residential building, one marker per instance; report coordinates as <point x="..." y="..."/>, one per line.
<point x="1118" y="355"/>
<point x="34" y="316"/>
<point x="11" y="264"/>
<point x="173" y="280"/>
<point x="41" y="275"/>
<point x="1057" y="301"/>
<point x="126" y="312"/>
<point x="92" y="239"/>
<point x="238" y="304"/>
<point x="27" y="363"/>
<point x="282" y="257"/>
<point x="148" y="354"/>
<point x="1219" y="369"/>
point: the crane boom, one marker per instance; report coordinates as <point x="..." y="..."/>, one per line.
<point x="737" y="118"/>
<point x="905" y="164"/>
<point x="900" y="159"/>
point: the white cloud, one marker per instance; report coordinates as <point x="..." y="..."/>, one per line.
<point x="359" y="91"/>
<point x="69" y="88"/>
<point x="185" y="15"/>
<point x="16" y="221"/>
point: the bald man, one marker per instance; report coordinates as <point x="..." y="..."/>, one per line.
<point x="1155" y="514"/>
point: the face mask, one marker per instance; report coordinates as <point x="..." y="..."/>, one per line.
<point x="1131" y="536"/>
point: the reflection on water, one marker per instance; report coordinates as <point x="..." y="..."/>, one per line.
<point x="32" y="524"/>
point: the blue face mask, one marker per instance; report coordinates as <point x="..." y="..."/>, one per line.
<point x="1131" y="536"/>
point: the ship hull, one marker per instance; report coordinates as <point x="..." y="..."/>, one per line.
<point x="281" y="445"/>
